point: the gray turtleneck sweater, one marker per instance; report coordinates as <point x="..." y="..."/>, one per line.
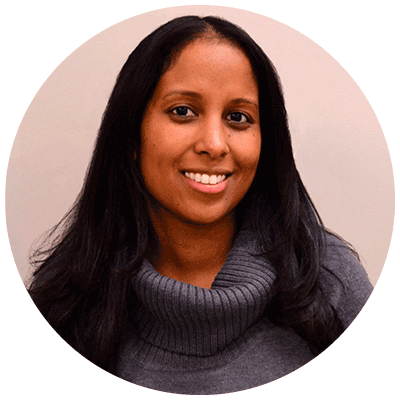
<point x="191" y="340"/>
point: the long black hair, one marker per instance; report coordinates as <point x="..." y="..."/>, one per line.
<point x="81" y="283"/>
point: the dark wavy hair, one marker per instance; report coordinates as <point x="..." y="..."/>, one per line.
<point x="83" y="270"/>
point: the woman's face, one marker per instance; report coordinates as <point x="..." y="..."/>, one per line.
<point x="201" y="136"/>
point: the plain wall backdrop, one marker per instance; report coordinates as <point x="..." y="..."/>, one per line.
<point x="37" y="36"/>
<point x="339" y="146"/>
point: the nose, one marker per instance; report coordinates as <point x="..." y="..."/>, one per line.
<point x="212" y="139"/>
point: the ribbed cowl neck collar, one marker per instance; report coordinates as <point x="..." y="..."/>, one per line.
<point x="179" y="318"/>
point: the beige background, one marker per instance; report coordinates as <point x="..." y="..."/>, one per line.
<point x="340" y="149"/>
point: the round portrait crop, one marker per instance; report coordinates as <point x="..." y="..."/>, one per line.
<point x="193" y="260"/>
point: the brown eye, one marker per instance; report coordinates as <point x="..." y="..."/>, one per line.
<point x="182" y="111"/>
<point x="238" y="117"/>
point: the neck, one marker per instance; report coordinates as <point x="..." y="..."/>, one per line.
<point x="188" y="252"/>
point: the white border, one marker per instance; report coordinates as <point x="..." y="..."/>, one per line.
<point x="37" y="36"/>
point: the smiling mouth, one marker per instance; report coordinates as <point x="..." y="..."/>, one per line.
<point x="206" y="179"/>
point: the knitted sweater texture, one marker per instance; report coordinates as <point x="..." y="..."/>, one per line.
<point x="191" y="340"/>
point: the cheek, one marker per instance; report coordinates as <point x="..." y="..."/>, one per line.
<point x="249" y="154"/>
<point x="160" y="140"/>
<point x="152" y="146"/>
<point x="149" y="157"/>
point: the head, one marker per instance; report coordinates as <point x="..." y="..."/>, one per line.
<point x="201" y="123"/>
<point x="116" y="163"/>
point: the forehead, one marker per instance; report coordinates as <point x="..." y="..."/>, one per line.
<point x="209" y="61"/>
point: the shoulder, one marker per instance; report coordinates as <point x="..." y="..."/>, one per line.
<point x="344" y="280"/>
<point x="342" y="261"/>
<point x="339" y="258"/>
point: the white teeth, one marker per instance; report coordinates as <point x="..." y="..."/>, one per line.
<point x="205" y="179"/>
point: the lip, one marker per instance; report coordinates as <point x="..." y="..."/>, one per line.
<point x="211" y="189"/>
<point x="208" y="171"/>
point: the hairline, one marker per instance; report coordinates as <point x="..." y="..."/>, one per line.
<point x="209" y="34"/>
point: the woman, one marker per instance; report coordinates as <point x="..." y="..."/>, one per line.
<point x="193" y="260"/>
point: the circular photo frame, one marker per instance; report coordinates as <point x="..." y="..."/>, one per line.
<point x="339" y="147"/>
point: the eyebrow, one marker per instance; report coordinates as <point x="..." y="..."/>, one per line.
<point x="183" y="93"/>
<point x="242" y="100"/>
<point x="239" y="100"/>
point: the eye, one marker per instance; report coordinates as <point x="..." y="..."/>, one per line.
<point x="238" y="117"/>
<point x="183" y="111"/>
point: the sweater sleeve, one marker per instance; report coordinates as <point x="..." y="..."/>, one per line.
<point x="344" y="280"/>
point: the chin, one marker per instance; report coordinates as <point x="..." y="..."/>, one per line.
<point x="192" y="214"/>
<point x="202" y="219"/>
